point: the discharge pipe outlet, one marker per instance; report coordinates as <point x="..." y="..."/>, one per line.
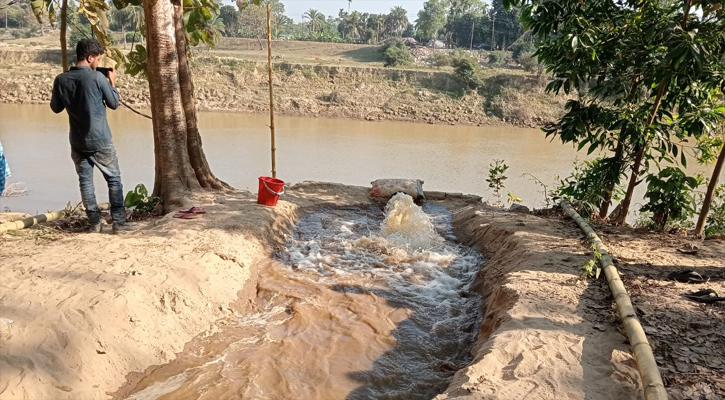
<point x="654" y="389"/>
<point x="47" y="217"/>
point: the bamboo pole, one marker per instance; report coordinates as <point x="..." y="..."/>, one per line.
<point x="654" y="389"/>
<point x="47" y="217"/>
<point x="271" y="96"/>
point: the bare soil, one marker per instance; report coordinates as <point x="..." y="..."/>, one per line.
<point x="311" y="80"/>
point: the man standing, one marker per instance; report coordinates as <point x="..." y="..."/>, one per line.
<point x="85" y="94"/>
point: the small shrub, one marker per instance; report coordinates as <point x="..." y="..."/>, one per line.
<point x="715" y="224"/>
<point x="17" y="34"/>
<point x="669" y="196"/>
<point x="530" y="64"/>
<point x="585" y="186"/>
<point x="133" y="37"/>
<point x="520" y="48"/>
<point x="457" y="56"/>
<point x="439" y="59"/>
<point x="467" y="71"/>
<point x="139" y="199"/>
<point x="496" y="176"/>
<point x="396" y="53"/>
<point x="497" y="58"/>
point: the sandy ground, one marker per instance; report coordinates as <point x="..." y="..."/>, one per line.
<point x="88" y="309"/>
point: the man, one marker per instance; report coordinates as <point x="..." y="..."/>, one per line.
<point x="85" y="93"/>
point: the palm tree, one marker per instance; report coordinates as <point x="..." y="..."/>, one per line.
<point x="353" y="24"/>
<point x="128" y="17"/>
<point x="316" y="19"/>
<point x="379" y="19"/>
<point x="397" y="20"/>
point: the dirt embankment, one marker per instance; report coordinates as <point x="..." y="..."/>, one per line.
<point x="79" y="312"/>
<point x="315" y="90"/>
<point x="85" y="310"/>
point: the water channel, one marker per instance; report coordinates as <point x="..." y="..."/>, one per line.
<point x="354" y="307"/>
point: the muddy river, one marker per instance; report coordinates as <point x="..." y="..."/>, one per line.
<point x="447" y="158"/>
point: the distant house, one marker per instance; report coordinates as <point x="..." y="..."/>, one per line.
<point x="436" y="44"/>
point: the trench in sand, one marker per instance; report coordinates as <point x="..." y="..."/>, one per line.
<point x="357" y="304"/>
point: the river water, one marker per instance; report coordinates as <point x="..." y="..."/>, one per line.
<point x="447" y="158"/>
<point x="354" y="307"/>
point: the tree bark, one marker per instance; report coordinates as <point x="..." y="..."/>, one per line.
<point x="604" y="209"/>
<point x="700" y="228"/>
<point x="198" y="160"/>
<point x="63" y="38"/>
<point x="640" y="150"/>
<point x="175" y="179"/>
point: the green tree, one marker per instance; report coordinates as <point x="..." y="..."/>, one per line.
<point x="130" y="17"/>
<point x="230" y="17"/>
<point x="431" y="19"/>
<point x="315" y="19"/>
<point x="396" y="21"/>
<point x="646" y="75"/>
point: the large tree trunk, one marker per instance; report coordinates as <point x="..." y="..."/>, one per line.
<point x="700" y="228"/>
<point x="175" y="179"/>
<point x="63" y="38"/>
<point x="199" y="164"/>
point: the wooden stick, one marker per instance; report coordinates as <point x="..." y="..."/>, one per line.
<point x="654" y="389"/>
<point x="271" y="96"/>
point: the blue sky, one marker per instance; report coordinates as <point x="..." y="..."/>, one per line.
<point x="295" y="8"/>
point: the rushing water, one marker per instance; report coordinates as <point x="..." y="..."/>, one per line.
<point x="358" y="308"/>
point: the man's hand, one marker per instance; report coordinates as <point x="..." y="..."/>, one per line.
<point x="112" y="77"/>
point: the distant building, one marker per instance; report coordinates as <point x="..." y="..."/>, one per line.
<point x="436" y="44"/>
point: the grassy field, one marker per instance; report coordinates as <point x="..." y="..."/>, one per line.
<point x="249" y="49"/>
<point x="301" y="52"/>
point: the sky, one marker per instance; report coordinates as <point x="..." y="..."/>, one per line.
<point x="295" y="8"/>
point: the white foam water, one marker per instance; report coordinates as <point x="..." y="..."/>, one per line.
<point x="364" y="305"/>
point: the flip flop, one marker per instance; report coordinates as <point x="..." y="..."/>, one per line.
<point x="688" y="277"/>
<point x="707" y="296"/>
<point x="194" y="210"/>
<point x="184" y="215"/>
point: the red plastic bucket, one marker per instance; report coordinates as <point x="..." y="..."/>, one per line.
<point x="269" y="190"/>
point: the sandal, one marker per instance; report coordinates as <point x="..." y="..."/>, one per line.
<point x="193" y="210"/>
<point x="707" y="296"/>
<point x="688" y="277"/>
<point x="185" y="215"/>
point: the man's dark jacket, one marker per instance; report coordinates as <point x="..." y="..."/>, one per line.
<point x="85" y="93"/>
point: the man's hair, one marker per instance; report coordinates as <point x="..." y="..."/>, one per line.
<point x="88" y="47"/>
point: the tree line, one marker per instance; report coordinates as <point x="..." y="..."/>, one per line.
<point x="457" y="23"/>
